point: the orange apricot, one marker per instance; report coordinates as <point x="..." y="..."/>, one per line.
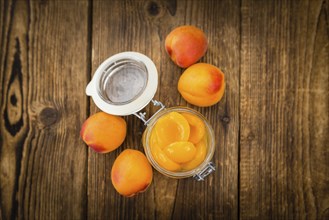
<point x="200" y="155"/>
<point x="131" y="173"/>
<point x="197" y="127"/>
<point x="103" y="132"/>
<point x="186" y="45"/>
<point x="180" y="151"/>
<point x="202" y="84"/>
<point x="170" y="128"/>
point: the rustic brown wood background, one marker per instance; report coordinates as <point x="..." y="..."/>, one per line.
<point x="272" y="125"/>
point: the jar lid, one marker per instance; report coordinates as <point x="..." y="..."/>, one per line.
<point x="124" y="83"/>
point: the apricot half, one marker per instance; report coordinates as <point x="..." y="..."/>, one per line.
<point x="170" y="128"/>
<point x="160" y="157"/>
<point x="201" y="151"/>
<point x="186" y="45"/>
<point x="180" y="151"/>
<point x="197" y="127"/>
<point x="131" y="173"/>
<point x="103" y="132"/>
<point x="202" y="84"/>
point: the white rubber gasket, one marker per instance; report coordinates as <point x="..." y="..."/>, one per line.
<point x="141" y="101"/>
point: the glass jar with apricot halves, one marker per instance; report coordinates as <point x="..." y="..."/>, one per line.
<point x="178" y="142"/>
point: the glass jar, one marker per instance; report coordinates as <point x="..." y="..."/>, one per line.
<point x="199" y="172"/>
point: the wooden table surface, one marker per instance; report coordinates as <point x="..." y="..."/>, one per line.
<point x="271" y="126"/>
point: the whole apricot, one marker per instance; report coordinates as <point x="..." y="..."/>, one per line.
<point x="103" y="132"/>
<point x="131" y="173"/>
<point x="202" y="84"/>
<point x="186" y="45"/>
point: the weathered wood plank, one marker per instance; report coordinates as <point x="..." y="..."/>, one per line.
<point x="43" y="71"/>
<point x="217" y="197"/>
<point x="142" y="26"/>
<point x="117" y="27"/>
<point x="284" y="110"/>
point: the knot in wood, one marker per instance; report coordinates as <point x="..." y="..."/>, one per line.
<point x="226" y="119"/>
<point x="153" y="8"/>
<point x="48" y="116"/>
<point x="13" y="100"/>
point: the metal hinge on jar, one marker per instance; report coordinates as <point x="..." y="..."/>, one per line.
<point x="142" y="115"/>
<point x="205" y="172"/>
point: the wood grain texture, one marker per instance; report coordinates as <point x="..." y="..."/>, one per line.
<point x="271" y="126"/>
<point x="217" y="197"/>
<point x="284" y="110"/>
<point x="43" y="72"/>
<point x="142" y="26"/>
<point x="117" y="27"/>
